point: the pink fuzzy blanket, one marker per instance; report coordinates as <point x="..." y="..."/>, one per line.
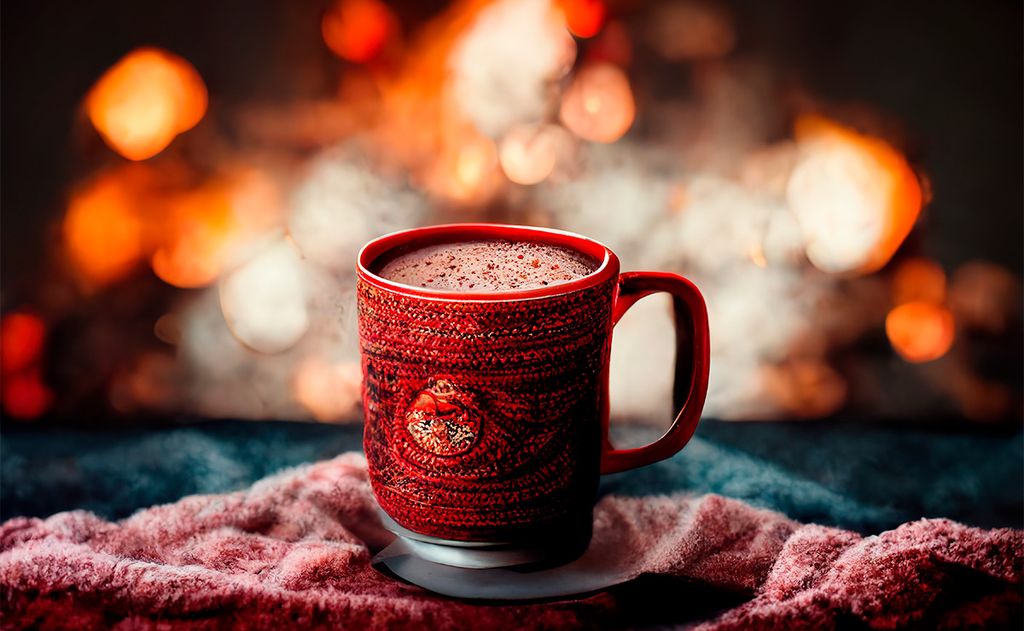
<point x="294" y="551"/>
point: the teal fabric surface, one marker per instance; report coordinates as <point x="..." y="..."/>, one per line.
<point x="859" y="476"/>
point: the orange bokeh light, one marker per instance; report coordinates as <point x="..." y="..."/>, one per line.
<point x="598" y="105"/>
<point x="473" y="162"/>
<point x="21" y="341"/>
<point x="25" y="396"/>
<point x="199" y="229"/>
<point x="529" y="154"/>
<point x="856" y="196"/>
<point x="102" y="232"/>
<point x="331" y="392"/>
<point x="144" y="100"/>
<point x="920" y="331"/>
<point x="186" y="230"/>
<point x="466" y="170"/>
<point x="357" y="30"/>
<point x="584" y="17"/>
<point x="919" y="280"/>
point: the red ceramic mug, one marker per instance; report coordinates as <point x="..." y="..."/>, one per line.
<point x="487" y="413"/>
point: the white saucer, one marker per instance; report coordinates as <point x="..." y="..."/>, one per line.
<point x="497" y="573"/>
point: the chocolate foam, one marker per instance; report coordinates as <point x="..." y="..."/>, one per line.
<point x="488" y="265"/>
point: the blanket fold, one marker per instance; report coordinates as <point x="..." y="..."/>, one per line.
<point x="294" y="549"/>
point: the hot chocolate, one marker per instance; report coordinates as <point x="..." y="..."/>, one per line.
<point x="491" y="265"/>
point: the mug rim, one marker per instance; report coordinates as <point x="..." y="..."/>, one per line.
<point x="608" y="262"/>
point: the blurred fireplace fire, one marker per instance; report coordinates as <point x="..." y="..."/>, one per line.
<point x="204" y="266"/>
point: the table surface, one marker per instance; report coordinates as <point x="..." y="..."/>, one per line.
<point x="862" y="476"/>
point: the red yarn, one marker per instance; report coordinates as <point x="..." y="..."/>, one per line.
<point x="293" y="551"/>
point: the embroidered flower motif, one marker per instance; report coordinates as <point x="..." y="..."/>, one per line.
<point x="440" y="421"/>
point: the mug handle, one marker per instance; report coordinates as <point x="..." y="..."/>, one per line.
<point x="693" y="359"/>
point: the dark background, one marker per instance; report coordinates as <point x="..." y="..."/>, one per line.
<point x="950" y="71"/>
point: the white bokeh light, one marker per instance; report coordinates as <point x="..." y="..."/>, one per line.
<point x="264" y="300"/>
